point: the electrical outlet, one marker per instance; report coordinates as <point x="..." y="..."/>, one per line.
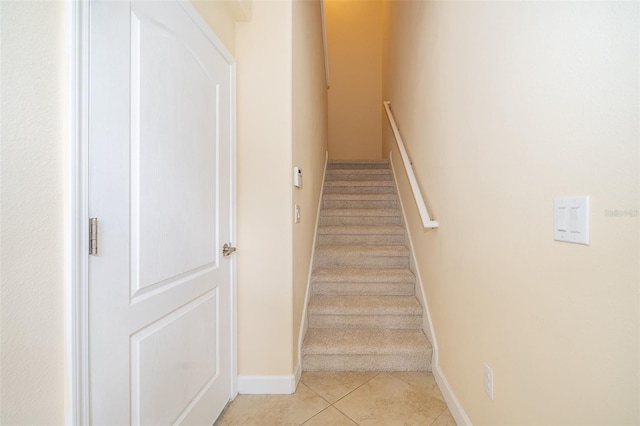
<point x="487" y="380"/>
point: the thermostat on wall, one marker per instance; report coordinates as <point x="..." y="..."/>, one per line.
<point x="297" y="177"/>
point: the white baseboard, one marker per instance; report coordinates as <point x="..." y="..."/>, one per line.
<point x="453" y="404"/>
<point x="427" y="325"/>
<point x="267" y="385"/>
<point x="297" y="373"/>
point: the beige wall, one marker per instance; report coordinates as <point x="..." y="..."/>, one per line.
<point x="220" y="16"/>
<point x="355" y="93"/>
<point x="281" y="124"/>
<point x="263" y="51"/>
<point x="505" y="106"/>
<point x="33" y="386"/>
<point x="309" y="143"/>
<point x="385" y="29"/>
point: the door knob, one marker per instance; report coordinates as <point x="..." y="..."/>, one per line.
<point x="227" y="250"/>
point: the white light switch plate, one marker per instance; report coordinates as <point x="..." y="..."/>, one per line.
<point x="296" y="213"/>
<point x="571" y="219"/>
<point x="487" y="380"/>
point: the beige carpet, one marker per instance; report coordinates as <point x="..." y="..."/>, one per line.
<point x="363" y="315"/>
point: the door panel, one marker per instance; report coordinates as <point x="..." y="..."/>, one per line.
<point x="173" y="360"/>
<point x="173" y="98"/>
<point x="160" y="184"/>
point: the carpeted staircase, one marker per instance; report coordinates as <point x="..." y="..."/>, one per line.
<point x="363" y="315"/>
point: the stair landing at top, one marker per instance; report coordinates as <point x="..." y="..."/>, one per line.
<point x="361" y="164"/>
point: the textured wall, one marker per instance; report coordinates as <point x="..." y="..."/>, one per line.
<point x="504" y="106"/>
<point x="263" y="51"/>
<point x="281" y="123"/>
<point x="32" y="186"/>
<point x="355" y="101"/>
<point x="309" y="142"/>
<point x="218" y="15"/>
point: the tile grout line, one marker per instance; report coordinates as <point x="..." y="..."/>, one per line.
<point x="446" y="407"/>
<point x="416" y="384"/>
<point x="349" y="393"/>
<point x="439" y="415"/>
<point x="390" y="373"/>
<point x="359" y="386"/>
<point x="414" y="387"/>
<point x="318" y="395"/>
<point x="332" y="404"/>
<point x="345" y="414"/>
<point x="319" y="412"/>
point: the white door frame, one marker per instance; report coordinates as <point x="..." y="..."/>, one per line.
<point x="77" y="205"/>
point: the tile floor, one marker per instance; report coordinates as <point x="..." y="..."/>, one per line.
<point x="346" y="398"/>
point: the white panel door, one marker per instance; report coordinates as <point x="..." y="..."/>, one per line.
<point x="161" y="102"/>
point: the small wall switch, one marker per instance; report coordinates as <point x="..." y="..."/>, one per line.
<point x="297" y="177"/>
<point x="297" y="213"/>
<point x="571" y="219"/>
<point x="487" y="380"/>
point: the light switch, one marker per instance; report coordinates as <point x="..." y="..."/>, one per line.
<point x="574" y="219"/>
<point x="561" y="217"/>
<point x="571" y="219"/>
<point x="296" y="213"/>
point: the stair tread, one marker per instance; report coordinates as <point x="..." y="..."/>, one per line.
<point x="359" y="189"/>
<point x="363" y="318"/>
<point x="366" y="275"/>
<point x="360" y="197"/>
<point x="359" y="177"/>
<point x="358" y="162"/>
<point x="338" y="164"/>
<point x="364" y="305"/>
<point x="360" y="212"/>
<point x="377" y="171"/>
<point x="365" y="341"/>
<point x="346" y="250"/>
<point x="360" y="229"/>
<point x="359" y="183"/>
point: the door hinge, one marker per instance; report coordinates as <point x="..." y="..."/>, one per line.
<point x="93" y="236"/>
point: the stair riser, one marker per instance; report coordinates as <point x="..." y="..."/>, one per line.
<point x="360" y="196"/>
<point x="358" y="177"/>
<point x="359" y="204"/>
<point x="360" y="220"/>
<point x="359" y="190"/>
<point x="359" y="183"/>
<point x="362" y="362"/>
<point x="363" y="240"/>
<point x="363" y="289"/>
<point x="339" y="260"/>
<point x="338" y="172"/>
<point x="362" y="166"/>
<point x="395" y="322"/>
